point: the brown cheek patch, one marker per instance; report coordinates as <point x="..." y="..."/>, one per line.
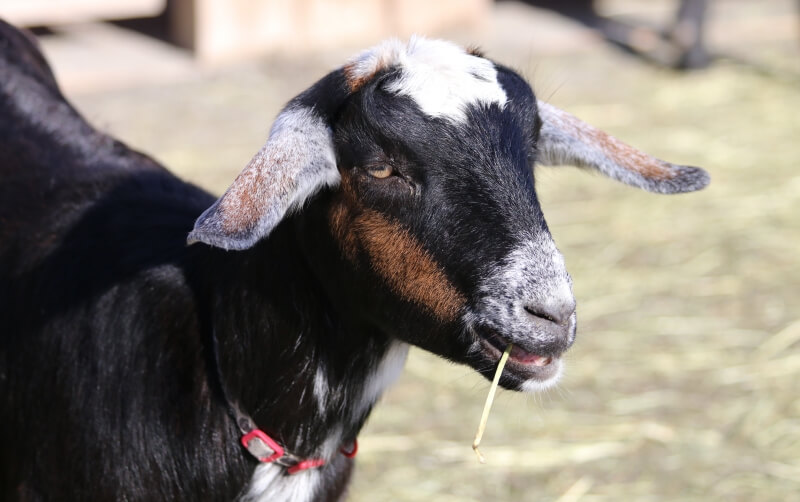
<point x="408" y="269"/>
<point x="340" y="219"/>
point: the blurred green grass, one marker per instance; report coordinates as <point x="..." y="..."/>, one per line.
<point x="683" y="383"/>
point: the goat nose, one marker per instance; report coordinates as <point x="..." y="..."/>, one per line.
<point x="557" y="312"/>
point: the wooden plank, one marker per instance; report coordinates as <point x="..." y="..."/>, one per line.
<point x="220" y="31"/>
<point x="54" y="12"/>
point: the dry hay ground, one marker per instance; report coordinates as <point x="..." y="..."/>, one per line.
<point x="683" y="382"/>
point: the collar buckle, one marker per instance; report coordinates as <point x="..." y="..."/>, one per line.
<point x="267" y="450"/>
<point x="261" y="446"/>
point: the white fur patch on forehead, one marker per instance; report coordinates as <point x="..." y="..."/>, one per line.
<point x="441" y="77"/>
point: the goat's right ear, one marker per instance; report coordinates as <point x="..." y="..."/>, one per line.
<point x="297" y="161"/>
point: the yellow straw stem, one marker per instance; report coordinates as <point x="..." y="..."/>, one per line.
<point x="489" y="401"/>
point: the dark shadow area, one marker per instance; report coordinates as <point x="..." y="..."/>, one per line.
<point x="678" y="44"/>
<point x="157" y="27"/>
<point x="41" y="31"/>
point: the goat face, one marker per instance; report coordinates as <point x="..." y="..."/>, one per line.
<point x="443" y="210"/>
<point x="430" y="209"/>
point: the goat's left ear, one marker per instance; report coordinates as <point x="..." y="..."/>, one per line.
<point x="297" y="161"/>
<point x="566" y="140"/>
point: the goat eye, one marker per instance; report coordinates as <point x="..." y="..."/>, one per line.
<point x="381" y="171"/>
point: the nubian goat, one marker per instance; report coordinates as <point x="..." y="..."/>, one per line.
<point x="392" y="204"/>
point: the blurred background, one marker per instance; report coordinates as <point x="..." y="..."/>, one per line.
<point x="683" y="383"/>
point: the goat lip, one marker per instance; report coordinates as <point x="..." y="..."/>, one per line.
<point x="530" y="361"/>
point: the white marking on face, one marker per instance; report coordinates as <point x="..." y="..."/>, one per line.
<point x="439" y="76"/>
<point x="532" y="274"/>
<point x="271" y="484"/>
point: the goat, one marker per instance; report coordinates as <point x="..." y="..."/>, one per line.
<point x="393" y="204"/>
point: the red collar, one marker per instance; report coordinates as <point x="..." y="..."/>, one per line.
<point x="257" y="442"/>
<point x="267" y="450"/>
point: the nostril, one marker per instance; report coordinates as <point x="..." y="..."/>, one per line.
<point x="557" y="315"/>
<point x="539" y="312"/>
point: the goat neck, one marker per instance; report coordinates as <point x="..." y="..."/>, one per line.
<point x="304" y="374"/>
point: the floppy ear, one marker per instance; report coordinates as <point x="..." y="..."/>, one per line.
<point x="297" y="161"/>
<point x="565" y="139"/>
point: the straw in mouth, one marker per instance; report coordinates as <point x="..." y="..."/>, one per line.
<point x="489" y="400"/>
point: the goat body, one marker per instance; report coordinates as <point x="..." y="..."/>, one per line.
<point x="107" y="317"/>
<point x="125" y="354"/>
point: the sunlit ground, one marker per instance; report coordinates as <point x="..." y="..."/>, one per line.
<point x="683" y="383"/>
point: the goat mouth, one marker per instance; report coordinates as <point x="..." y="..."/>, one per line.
<point x="524" y="364"/>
